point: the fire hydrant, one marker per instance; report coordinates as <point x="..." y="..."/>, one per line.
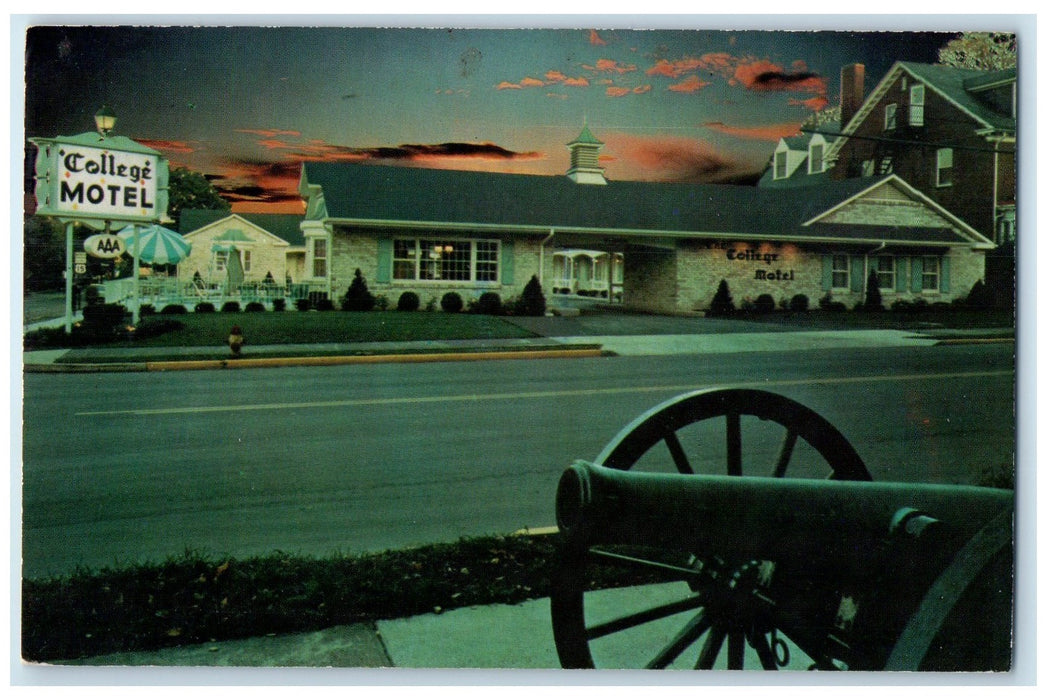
<point x="236" y="340"/>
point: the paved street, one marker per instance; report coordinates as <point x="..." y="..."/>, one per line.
<point x="130" y="467"/>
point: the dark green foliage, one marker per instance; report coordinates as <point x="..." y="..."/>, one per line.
<point x="324" y="304"/>
<point x="408" y="301"/>
<point x="873" y="299"/>
<point x="194" y="599"/>
<point x="722" y="303"/>
<point x="254" y="306"/>
<point x="451" y="302"/>
<point x="146" y="310"/>
<point x="303" y="304"/>
<point x="533" y="300"/>
<point x="358" y="297"/>
<point x="799" y="302"/>
<point x="231" y="307"/>
<point x="188" y="189"/>
<point x="204" y="307"/>
<point x="173" y="310"/>
<point x="279" y="304"/>
<point x="764" y="304"/>
<point x="489" y="303"/>
<point x="153" y="327"/>
<point x="980" y="296"/>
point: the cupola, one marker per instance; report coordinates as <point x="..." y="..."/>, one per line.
<point x="585" y="155"/>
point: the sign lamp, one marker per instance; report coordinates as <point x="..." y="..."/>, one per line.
<point x="105" y="120"/>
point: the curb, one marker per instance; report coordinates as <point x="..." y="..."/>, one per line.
<point x="262" y="362"/>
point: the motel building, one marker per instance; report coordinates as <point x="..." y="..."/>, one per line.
<point x="658" y="247"/>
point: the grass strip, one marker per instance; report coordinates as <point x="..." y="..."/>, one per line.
<point x="192" y="598"/>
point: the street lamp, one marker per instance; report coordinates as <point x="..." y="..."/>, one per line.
<point x="105" y="120"/>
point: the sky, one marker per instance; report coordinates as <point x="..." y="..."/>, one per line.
<point x="246" y="106"/>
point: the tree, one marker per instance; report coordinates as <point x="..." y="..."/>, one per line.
<point x="980" y="51"/>
<point x="873" y="298"/>
<point x="191" y="190"/>
<point x="722" y="303"/>
<point x="358" y="297"/>
<point x="44" y="254"/>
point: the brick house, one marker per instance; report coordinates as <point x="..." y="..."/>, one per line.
<point x="949" y="132"/>
<point x="269" y="248"/>
<point x="434" y="231"/>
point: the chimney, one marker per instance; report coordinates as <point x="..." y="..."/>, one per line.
<point x="852" y="91"/>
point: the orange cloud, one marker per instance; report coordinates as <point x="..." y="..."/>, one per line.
<point x="506" y="85"/>
<point x="765" y="76"/>
<point x="771" y="132"/>
<point x="595" y="39"/>
<point x="269" y="133"/>
<point x="606" y="65"/>
<point x="691" y="84"/>
<point x="666" y="158"/>
<point x="168" y="146"/>
<point x="674" y="69"/>
<point x="815" y="104"/>
<point x="615" y="91"/>
<point x="555" y="76"/>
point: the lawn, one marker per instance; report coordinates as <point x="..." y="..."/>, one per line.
<point x="280" y="328"/>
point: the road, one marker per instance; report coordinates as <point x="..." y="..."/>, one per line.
<point x="122" y="468"/>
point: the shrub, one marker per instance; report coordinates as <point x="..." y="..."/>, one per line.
<point x="902" y="306"/>
<point x="381" y="302"/>
<point x="799" y="302"/>
<point x="722" y="303"/>
<point x="231" y="307"/>
<point x="324" y="304"/>
<point x="873" y="299"/>
<point x="279" y="304"/>
<point x="254" y="306"/>
<point x="980" y="296"/>
<point x="408" y="301"/>
<point x="204" y="307"/>
<point x="533" y="300"/>
<point x="431" y="305"/>
<point x="146" y="310"/>
<point x="451" y="302"/>
<point x="103" y="322"/>
<point x="357" y="297"/>
<point x="303" y="304"/>
<point x="173" y="310"/>
<point x="489" y="303"/>
<point x="764" y="304"/>
<point x="157" y="326"/>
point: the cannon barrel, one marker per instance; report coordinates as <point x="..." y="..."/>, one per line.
<point x="880" y="575"/>
<point x="836" y="521"/>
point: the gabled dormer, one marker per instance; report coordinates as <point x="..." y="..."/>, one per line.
<point x="585" y="159"/>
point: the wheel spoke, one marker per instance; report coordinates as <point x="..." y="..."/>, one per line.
<point x="735" y="651"/>
<point x="785" y="454"/>
<point x="683" y="465"/>
<point x="734" y="444"/>
<point x="711" y="648"/>
<point x="758" y="641"/>
<point x="628" y="559"/>
<point x="683" y="639"/>
<point x="643" y="617"/>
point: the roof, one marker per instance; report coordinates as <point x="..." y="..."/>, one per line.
<point x="285" y="226"/>
<point x="415" y="197"/>
<point x="960" y="85"/>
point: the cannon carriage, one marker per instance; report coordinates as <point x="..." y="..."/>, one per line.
<point x="787" y="556"/>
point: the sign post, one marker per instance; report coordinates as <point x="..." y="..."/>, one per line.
<point x="69" y="277"/>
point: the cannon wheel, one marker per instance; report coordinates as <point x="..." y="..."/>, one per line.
<point x="660" y="424"/>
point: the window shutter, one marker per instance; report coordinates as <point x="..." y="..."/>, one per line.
<point x="507" y="262"/>
<point x="943" y="282"/>
<point x="857" y="274"/>
<point x="384" y="273"/>
<point x="827" y="273"/>
<point x="899" y="274"/>
<point x="917" y="274"/>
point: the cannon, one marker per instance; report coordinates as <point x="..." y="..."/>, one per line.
<point x="790" y="557"/>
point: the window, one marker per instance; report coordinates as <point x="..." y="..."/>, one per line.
<point x="916" y="98"/>
<point x="890" y="117"/>
<point x="885" y="273"/>
<point x="944" y="170"/>
<point x="422" y="259"/>
<point x="319" y="257"/>
<point x="247" y="260"/>
<point x="780" y="164"/>
<point x="221" y="260"/>
<point x="931" y="273"/>
<point x="815" y="160"/>
<point x="868" y="167"/>
<point x="841" y="272"/>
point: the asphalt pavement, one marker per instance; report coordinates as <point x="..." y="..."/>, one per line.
<point x="490" y="637"/>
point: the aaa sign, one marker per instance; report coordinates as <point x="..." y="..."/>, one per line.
<point x="104" y="245"/>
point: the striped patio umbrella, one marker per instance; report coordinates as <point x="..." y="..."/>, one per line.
<point x="158" y="245"/>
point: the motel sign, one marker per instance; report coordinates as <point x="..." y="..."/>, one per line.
<point x="92" y="181"/>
